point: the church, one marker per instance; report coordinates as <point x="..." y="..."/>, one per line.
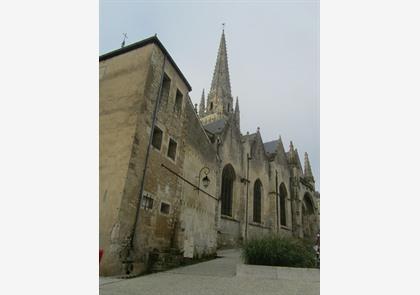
<point x="179" y="181"/>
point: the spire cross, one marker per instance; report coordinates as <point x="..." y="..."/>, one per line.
<point x="223" y="26"/>
<point x="123" y="42"/>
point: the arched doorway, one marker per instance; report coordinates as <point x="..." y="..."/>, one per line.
<point x="228" y="178"/>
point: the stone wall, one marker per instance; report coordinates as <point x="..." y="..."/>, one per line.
<point x="259" y="170"/>
<point x="197" y="233"/>
<point x="129" y="87"/>
<point x="231" y="151"/>
<point x="121" y="92"/>
<point x="156" y="229"/>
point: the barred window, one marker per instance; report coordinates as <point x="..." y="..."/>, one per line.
<point x="147" y="202"/>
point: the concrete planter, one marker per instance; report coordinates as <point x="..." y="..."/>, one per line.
<point x="278" y="272"/>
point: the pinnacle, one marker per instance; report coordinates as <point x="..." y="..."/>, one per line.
<point x="202" y="105"/>
<point x="291" y="148"/>
<point x="308" y="171"/>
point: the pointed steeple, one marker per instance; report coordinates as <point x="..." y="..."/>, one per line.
<point x="237" y="115"/>
<point x="221" y="81"/>
<point x="202" y="106"/>
<point x="308" y="171"/>
<point x="220" y="99"/>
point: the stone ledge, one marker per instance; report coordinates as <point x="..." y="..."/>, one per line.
<point x="227" y="217"/>
<point x="259" y="225"/>
<point x="278" y="272"/>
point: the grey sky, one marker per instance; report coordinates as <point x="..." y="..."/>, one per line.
<point x="273" y="52"/>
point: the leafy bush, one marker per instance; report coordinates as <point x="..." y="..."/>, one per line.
<point x="279" y="251"/>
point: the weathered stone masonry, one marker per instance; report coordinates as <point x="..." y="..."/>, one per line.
<point x="175" y="218"/>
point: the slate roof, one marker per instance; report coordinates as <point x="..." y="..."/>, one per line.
<point x="270" y="147"/>
<point x="216" y="126"/>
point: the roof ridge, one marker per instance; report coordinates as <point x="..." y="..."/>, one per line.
<point x="151" y="40"/>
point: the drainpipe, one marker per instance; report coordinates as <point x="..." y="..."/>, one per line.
<point x="277" y="202"/>
<point x="247" y="189"/>
<point x="140" y="195"/>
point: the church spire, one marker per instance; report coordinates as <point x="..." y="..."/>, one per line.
<point x="202" y="105"/>
<point x="308" y="171"/>
<point x="220" y="98"/>
<point x="221" y="81"/>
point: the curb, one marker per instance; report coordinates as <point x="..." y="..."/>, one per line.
<point x="278" y="272"/>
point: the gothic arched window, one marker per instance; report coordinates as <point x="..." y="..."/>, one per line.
<point x="308" y="206"/>
<point x="228" y="177"/>
<point x="308" y="217"/>
<point x="283" y="196"/>
<point x="257" y="201"/>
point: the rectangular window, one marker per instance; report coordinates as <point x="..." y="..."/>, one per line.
<point x="166" y="86"/>
<point x="147" y="202"/>
<point x="164" y="208"/>
<point x="172" y="149"/>
<point x="178" y="101"/>
<point x="157" y="137"/>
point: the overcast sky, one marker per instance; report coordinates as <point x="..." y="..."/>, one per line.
<point x="273" y="53"/>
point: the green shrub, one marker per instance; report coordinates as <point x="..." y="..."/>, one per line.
<point x="279" y="251"/>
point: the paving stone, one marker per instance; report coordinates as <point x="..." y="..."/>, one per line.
<point x="211" y="277"/>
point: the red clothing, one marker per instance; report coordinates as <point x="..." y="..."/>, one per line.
<point x="101" y="252"/>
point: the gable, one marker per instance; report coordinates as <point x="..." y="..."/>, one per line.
<point x="257" y="148"/>
<point x="275" y="151"/>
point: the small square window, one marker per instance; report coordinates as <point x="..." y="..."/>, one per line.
<point x="172" y="149"/>
<point x="147" y="202"/>
<point x="178" y="101"/>
<point x="164" y="208"/>
<point x="157" y="137"/>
